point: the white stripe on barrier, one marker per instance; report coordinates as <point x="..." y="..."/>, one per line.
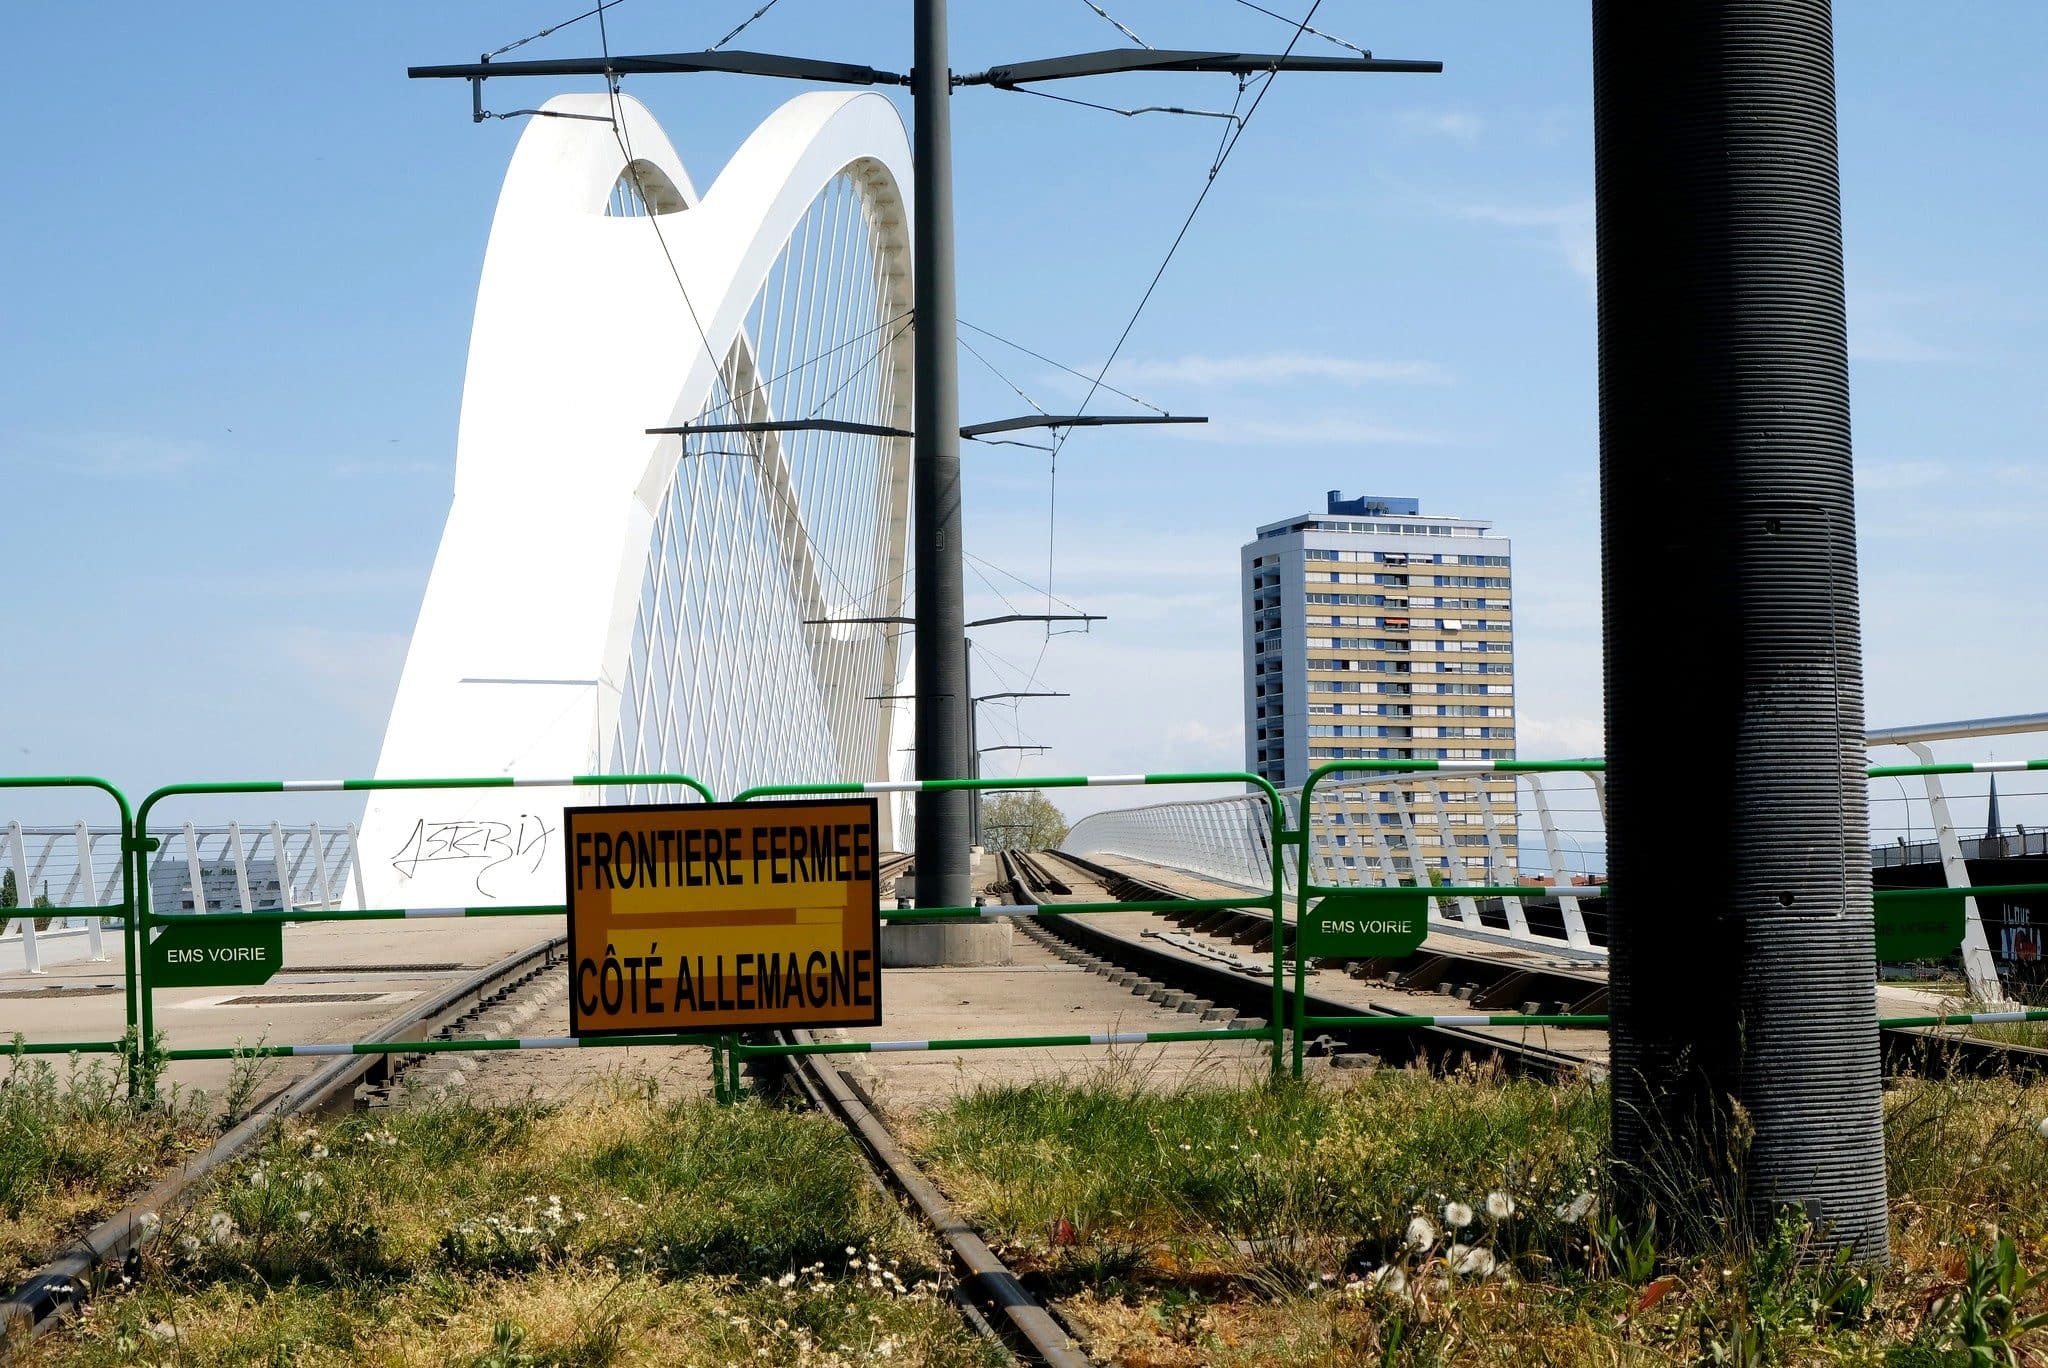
<point x="1008" y="909"/>
<point x="542" y="781"/>
<point x="298" y="1050"/>
<point x="436" y="912"/>
<point x="888" y="1046"/>
<point x="1464" y="764"/>
<point x="548" y="1042"/>
<point x="1996" y="1016"/>
<point x="313" y="785"/>
<point x="892" y="786"/>
<point x="1999" y="766"/>
<point x="1119" y="1038"/>
<point x="1480" y="1020"/>
<point x="1105" y="780"/>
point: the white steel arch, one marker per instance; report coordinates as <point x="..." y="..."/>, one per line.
<point x="604" y="600"/>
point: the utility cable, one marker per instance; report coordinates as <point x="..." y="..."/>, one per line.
<point x="1232" y="137"/>
<point x="1119" y="109"/>
<point x="996" y="371"/>
<point x="1326" y="37"/>
<point x="1113" y="22"/>
<point x="552" y="28"/>
<point x="1056" y="365"/>
<point x="742" y="26"/>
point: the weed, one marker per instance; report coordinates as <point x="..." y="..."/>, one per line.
<point x="72" y="1144"/>
<point x="1985" y="1312"/>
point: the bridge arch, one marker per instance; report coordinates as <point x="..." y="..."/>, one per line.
<point x="606" y="600"/>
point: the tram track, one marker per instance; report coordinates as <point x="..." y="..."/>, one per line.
<point x="495" y="1003"/>
<point x="51" y="1293"/>
<point x="1492" y="984"/>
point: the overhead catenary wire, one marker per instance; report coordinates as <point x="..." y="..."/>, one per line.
<point x="1059" y="365"/>
<point x="625" y="141"/>
<point x="1113" y="22"/>
<point x="741" y="27"/>
<point x="1119" y="109"/>
<point x="1326" y="37"/>
<point x="552" y="28"/>
<point x="1232" y="136"/>
<point x="996" y="371"/>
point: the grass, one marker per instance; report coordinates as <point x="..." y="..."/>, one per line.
<point x="625" y="1227"/>
<point x="72" y="1148"/>
<point x="1410" y="1220"/>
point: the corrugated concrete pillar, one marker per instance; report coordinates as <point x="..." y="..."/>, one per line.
<point x="1744" y="1002"/>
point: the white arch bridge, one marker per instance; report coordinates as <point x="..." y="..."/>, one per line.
<point x="609" y="601"/>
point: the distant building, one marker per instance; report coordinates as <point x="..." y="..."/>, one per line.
<point x="1375" y="632"/>
<point x="170" y="886"/>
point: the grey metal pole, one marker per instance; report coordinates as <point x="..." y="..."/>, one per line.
<point x="1745" y="1050"/>
<point x="943" y="749"/>
<point x="973" y="741"/>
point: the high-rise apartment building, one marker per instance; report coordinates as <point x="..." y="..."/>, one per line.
<point x="1375" y="632"/>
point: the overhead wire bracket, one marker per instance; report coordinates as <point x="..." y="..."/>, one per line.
<point x="1114" y="60"/>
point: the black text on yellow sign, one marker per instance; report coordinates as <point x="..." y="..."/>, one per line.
<point x="722" y="916"/>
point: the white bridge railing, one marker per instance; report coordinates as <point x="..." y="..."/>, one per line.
<point x="1447" y="829"/>
<point x="1470" y="829"/>
<point x="59" y="873"/>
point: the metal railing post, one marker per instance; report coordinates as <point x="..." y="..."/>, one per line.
<point x="1978" y="966"/>
<point x="287" y="898"/>
<point x="1446" y="832"/>
<point x="1498" y="870"/>
<point x="355" y="865"/>
<point x="241" y="866"/>
<point x="316" y="847"/>
<point x="195" y="869"/>
<point x="95" y="940"/>
<point x="24" y="902"/>
<point x="1568" y="905"/>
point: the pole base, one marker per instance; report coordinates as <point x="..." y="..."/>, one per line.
<point x="935" y="946"/>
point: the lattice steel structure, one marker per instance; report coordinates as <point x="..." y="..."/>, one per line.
<point x="605" y="599"/>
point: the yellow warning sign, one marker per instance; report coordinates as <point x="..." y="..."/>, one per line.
<point x="720" y="916"/>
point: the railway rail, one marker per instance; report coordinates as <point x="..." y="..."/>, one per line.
<point x="495" y="1001"/>
<point x="1491" y="983"/>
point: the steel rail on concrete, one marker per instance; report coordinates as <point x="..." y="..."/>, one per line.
<point x="57" y="1289"/>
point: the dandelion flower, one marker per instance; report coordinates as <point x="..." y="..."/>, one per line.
<point x="2043" y="1128"/>
<point x="1389" y="1278"/>
<point x="220" y="1227"/>
<point x="1577" y="1209"/>
<point x="148" y="1222"/>
<point x="1499" y="1205"/>
<point x="1470" y="1261"/>
<point x="1421" y="1234"/>
<point x="1457" y="1215"/>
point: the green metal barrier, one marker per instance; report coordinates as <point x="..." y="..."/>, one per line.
<point x="147" y="919"/>
<point x="1307" y="891"/>
<point x="1273" y="900"/>
<point x="1289" y="1009"/>
<point x="130" y="1045"/>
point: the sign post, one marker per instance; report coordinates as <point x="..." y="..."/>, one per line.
<point x="701" y="917"/>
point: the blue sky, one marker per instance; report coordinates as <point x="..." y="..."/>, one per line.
<point x="240" y="253"/>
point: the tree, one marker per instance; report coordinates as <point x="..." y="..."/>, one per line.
<point x="1021" y="821"/>
<point x="10" y="896"/>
